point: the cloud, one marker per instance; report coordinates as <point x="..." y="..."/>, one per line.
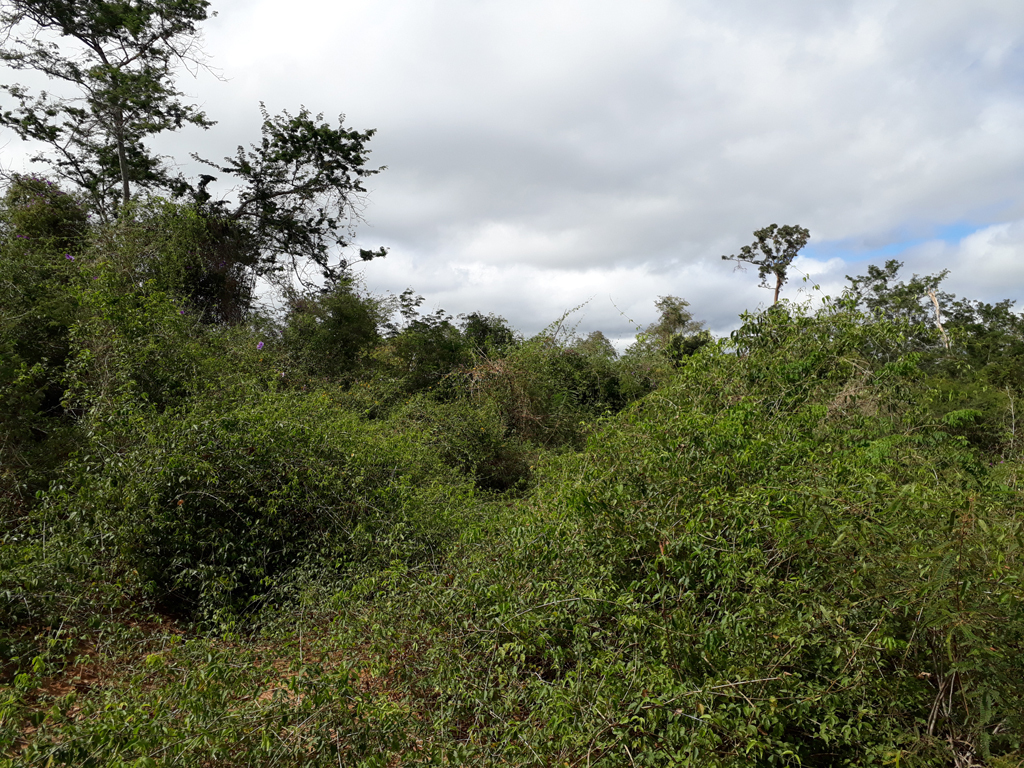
<point x="543" y="153"/>
<point x="986" y="264"/>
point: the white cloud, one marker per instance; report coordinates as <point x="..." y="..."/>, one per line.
<point x="986" y="264"/>
<point x="541" y="153"/>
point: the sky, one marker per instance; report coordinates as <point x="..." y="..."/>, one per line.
<point x="546" y="155"/>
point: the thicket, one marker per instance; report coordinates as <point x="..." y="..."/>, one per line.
<point x="352" y="533"/>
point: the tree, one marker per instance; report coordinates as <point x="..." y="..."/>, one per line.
<point x="329" y="330"/>
<point x="878" y="293"/>
<point x="488" y="335"/>
<point x="772" y="253"/>
<point x="424" y="349"/>
<point x="122" y="59"/>
<point x="676" y="335"/>
<point x="300" y="188"/>
<point x="673" y="319"/>
<point x="300" y="191"/>
<point x="597" y="344"/>
<point x="675" y="324"/>
<point x="989" y="336"/>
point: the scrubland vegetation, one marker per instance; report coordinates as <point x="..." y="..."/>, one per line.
<point x="350" y="533"/>
<point x="347" y="532"/>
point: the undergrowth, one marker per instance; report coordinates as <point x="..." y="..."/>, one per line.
<point x="353" y="534"/>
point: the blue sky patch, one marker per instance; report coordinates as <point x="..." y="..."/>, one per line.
<point x="849" y="249"/>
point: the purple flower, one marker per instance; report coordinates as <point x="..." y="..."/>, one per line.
<point x="259" y="346"/>
<point x="69" y="257"/>
<point x="181" y="312"/>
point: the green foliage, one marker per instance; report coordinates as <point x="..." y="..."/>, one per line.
<point x="182" y="250"/>
<point x="471" y="437"/>
<point x="136" y="350"/>
<point x="674" y="319"/>
<point x="121" y="58"/>
<point x="681" y="347"/>
<point x="330" y="332"/>
<point x="552" y="395"/>
<point x="37" y="210"/>
<point x="42" y="233"/>
<point x="777" y="558"/>
<point x="973" y="352"/>
<point x="213" y="503"/>
<point x="879" y="294"/>
<point x="596" y="343"/>
<point x="53" y="593"/>
<point x="992" y="338"/>
<point x="675" y="337"/>
<point x="179" y="701"/>
<point x="154" y="307"/>
<point x="301" y="189"/>
<point x="342" y="537"/>
<point x="488" y="335"/>
<point x="426" y="352"/>
<point x="911" y="303"/>
<point x="772" y="252"/>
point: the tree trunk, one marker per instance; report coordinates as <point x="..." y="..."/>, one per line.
<point x="121" y="157"/>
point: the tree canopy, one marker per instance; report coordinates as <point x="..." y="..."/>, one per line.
<point x="121" y="57"/>
<point x="772" y="251"/>
<point x="297" y="193"/>
<point x="300" y="192"/>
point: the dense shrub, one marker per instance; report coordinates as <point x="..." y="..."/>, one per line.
<point x="183" y="251"/>
<point x="42" y="233"/>
<point x="139" y="348"/>
<point x="36" y="210"/>
<point x="213" y="505"/>
<point x="777" y="558"/>
<point x="426" y="353"/>
<point x="470" y="437"/>
<point x="489" y="336"/>
<point x="330" y="332"/>
<point x="798" y="546"/>
<point x="552" y="394"/>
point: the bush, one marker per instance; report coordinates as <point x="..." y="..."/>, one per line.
<point x="426" y="353"/>
<point x="329" y="333"/>
<point x="489" y="336"/>
<point x="183" y="251"/>
<point x="213" y="505"/>
<point x="42" y="233"/>
<point x="777" y="558"/>
<point x="552" y="395"/>
<point x="139" y="349"/>
<point x="471" y="438"/>
<point x="38" y="211"/>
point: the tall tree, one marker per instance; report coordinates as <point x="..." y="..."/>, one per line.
<point x="121" y="56"/>
<point x="300" y="192"/>
<point x="879" y="293"/>
<point x="772" y="252"/>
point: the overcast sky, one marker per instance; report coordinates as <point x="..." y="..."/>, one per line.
<point x="545" y="154"/>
